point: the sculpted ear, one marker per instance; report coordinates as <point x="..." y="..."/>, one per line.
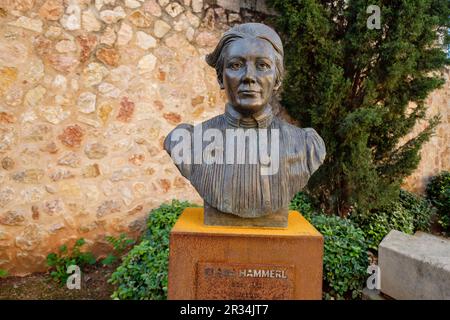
<point x="277" y="86"/>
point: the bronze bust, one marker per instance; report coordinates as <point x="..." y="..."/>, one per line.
<point x="250" y="183"/>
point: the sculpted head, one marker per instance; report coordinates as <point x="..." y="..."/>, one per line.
<point x="249" y="64"/>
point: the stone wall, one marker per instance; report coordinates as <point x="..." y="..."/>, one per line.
<point x="435" y="155"/>
<point x="88" y="91"/>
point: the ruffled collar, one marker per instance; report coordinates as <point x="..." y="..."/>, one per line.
<point x="261" y="119"/>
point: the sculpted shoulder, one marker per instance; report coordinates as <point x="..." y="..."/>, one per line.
<point x="186" y="128"/>
<point x="306" y="139"/>
<point x="175" y="135"/>
<point x="315" y="149"/>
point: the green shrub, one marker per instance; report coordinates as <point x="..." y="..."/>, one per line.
<point x="119" y="245"/>
<point x="59" y="262"/>
<point x="345" y="259"/>
<point x="438" y="192"/>
<point x="3" y="273"/>
<point x="419" y="207"/>
<point x="303" y="204"/>
<point x="408" y="214"/>
<point x="378" y="224"/>
<point x="143" y="272"/>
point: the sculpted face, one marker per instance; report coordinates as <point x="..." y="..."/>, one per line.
<point x="249" y="74"/>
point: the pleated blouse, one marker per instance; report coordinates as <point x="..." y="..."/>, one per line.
<point x="241" y="188"/>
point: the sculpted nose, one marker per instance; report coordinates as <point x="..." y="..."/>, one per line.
<point x="250" y="74"/>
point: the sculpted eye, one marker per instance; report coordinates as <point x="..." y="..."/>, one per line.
<point x="263" y="66"/>
<point x="235" y="65"/>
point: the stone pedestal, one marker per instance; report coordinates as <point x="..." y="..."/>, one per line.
<point x="210" y="262"/>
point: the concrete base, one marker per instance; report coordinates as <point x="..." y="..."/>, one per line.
<point x="214" y="217"/>
<point x="210" y="262"/>
<point x="415" y="267"/>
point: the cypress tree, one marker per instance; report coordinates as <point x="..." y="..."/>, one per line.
<point x="354" y="83"/>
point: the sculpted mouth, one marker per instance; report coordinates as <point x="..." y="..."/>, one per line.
<point x="248" y="91"/>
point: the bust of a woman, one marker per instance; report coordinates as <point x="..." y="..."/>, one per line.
<point x="246" y="163"/>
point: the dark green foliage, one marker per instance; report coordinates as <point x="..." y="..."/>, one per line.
<point x="3" y="273"/>
<point x="59" y="262"/>
<point x="354" y="85"/>
<point x="143" y="272"/>
<point x="409" y="213"/>
<point x="110" y="259"/>
<point x="303" y="204"/>
<point x="419" y="207"/>
<point x="119" y="245"/>
<point x="378" y="224"/>
<point x="438" y="192"/>
<point x="345" y="258"/>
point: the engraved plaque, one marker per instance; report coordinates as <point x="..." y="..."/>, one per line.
<point x="238" y="281"/>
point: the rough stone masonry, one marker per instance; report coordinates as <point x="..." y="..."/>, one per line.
<point x="88" y="91"/>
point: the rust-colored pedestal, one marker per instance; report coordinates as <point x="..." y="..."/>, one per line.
<point x="210" y="262"/>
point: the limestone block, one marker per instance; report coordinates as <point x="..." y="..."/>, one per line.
<point x="232" y="5"/>
<point x="415" y="267"/>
